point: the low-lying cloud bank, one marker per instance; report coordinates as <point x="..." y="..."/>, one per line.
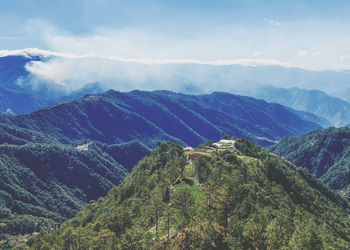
<point x="191" y="76"/>
<point x="74" y="71"/>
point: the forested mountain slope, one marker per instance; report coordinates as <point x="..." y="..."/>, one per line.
<point x="149" y="117"/>
<point x="44" y="183"/>
<point x="77" y="151"/>
<point x="326" y="153"/>
<point x="251" y="200"/>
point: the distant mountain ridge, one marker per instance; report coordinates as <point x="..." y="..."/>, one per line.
<point x="317" y="102"/>
<point x="117" y="117"/>
<point x="23" y="92"/>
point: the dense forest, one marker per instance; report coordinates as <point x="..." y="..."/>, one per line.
<point x="250" y="199"/>
<point x="44" y="183"/>
<point x="325" y="153"/>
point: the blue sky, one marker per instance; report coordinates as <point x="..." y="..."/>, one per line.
<point x="311" y="34"/>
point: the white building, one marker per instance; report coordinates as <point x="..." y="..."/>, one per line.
<point x="188" y="149"/>
<point x="228" y="141"/>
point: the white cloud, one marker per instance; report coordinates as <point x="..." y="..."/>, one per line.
<point x="257" y="53"/>
<point x="302" y="53"/>
<point x="74" y="71"/>
<point x="309" y="53"/>
<point x="343" y="57"/>
<point x="151" y="61"/>
<point x="221" y="45"/>
<point x="272" y="22"/>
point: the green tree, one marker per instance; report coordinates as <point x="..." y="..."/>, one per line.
<point x="306" y="237"/>
<point x="254" y="232"/>
<point x="201" y="167"/>
<point x="157" y="208"/>
<point x="279" y="231"/>
<point x="183" y="202"/>
<point x="103" y="240"/>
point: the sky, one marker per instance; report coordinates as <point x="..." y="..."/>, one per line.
<point x="308" y="34"/>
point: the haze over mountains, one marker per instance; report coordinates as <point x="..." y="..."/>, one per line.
<point x="34" y="79"/>
<point x="126" y="74"/>
<point x="181" y="124"/>
<point x="317" y="102"/>
<point x="21" y="92"/>
<point x="55" y="159"/>
<point x="71" y="141"/>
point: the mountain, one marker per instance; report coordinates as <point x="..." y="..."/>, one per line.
<point x="56" y="159"/>
<point x="311" y="117"/>
<point x="44" y="183"/>
<point x="317" y="102"/>
<point x="17" y="93"/>
<point x="127" y="154"/>
<point x="250" y="200"/>
<point x="89" y="88"/>
<point x="29" y="78"/>
<point x="21" y="92"/>
<point x="13" y="96"/>
<point x="12" y="68"/>
<point x="118" y="117"/>
<point x="326" y="153"/>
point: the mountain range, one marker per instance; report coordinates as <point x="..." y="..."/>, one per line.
<point x="56" y="159"/>
<point x="22" y="91"/>
<point x="333" y="109"/>
<point x="117" y="117"/>
<point x="28" y="84"/>
<point x="326" y="153"/>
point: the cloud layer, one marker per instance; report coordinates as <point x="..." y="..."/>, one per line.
<point x="74" y="71"/>
<point x="192" y="76"/>
<point x="297" y="32"/>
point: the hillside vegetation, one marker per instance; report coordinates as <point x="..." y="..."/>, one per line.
<point x="248" y="200"/>
<point x="326" y="153"/>
<point x="44" y="183"/>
